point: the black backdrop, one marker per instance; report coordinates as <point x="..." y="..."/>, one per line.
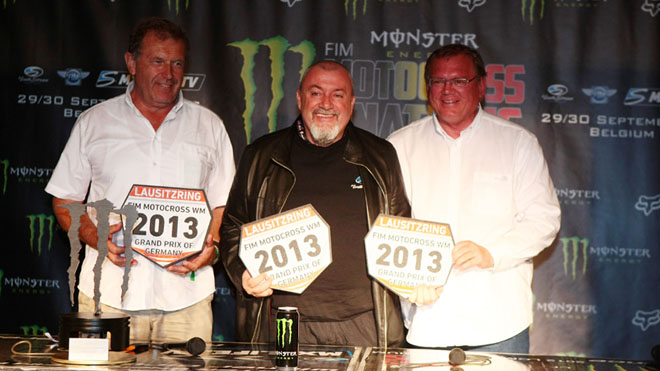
<point x="582" y="75"/>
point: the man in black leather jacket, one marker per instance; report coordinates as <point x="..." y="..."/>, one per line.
<point x="310" y="163"/>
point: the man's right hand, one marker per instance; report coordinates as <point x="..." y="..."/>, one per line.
<point x="258" y="286"/>
<point x="116" y="253"/>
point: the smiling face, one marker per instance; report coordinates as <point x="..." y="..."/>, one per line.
<point x="455" y="106"/>
<point x="325" y="100"/>
<point x="157" y="71"/>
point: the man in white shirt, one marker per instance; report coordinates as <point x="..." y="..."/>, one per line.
<point x="488" y="179"/>
<point x="150" y="135"/>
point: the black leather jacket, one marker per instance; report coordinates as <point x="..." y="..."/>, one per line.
<point x="263" y="182"/>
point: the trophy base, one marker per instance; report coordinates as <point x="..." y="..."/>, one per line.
<point x="114" y="358"/>
<point x="88" y="325"/>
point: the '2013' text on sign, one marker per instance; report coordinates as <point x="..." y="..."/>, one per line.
<point x="293" y="247"/>
<point x="403" y="253"/>
<point x="172" y="223"/>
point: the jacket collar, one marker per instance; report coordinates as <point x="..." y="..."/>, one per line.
<point x="353" y="152"/>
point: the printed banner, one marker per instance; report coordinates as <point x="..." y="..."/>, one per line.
<point x="582" y="75"/>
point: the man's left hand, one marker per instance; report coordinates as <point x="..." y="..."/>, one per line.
<point x="467" y="254"/>
<point x="204" y="258"/>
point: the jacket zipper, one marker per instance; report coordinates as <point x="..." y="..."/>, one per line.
<point x="387" y="211"/>
<point x="261" y="305"/>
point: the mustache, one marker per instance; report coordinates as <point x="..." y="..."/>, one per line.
<point x="169" y="81"/>
<point x="325" y="111"/>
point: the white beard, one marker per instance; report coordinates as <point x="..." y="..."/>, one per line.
<point x="324" y="136"/>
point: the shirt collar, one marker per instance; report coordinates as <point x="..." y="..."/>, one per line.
<point x="129" y="100"/>
<point x="467" y="132"/>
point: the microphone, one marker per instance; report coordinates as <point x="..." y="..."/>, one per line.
<point x="655" y="353"/>
<point x="458" y="357"/>
<point x="194" y="346"/>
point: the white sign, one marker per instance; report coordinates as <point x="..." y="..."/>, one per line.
<point x="403" y="253"/>
<point x="87" y="349"/>
<point x="292" y="247"/>
<point x="172" y="223"/>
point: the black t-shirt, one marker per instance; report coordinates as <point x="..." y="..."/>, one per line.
<point x="333" y="186"/>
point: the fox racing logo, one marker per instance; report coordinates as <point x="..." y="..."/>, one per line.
<point x="646" y="319"/>
<point x="471" y="4"/>
<point x="651" y="6"/>
<point x="648" y="204"/>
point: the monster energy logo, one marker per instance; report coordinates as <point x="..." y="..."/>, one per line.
<point x="5" y="169"/>
<point x="284" y="324"/>
<point x="176" y="5"/>
<point x="37" y="230"/>
<point x="33" y="330"/>
<point x="277" y="46"/>
<point x="524" y="9"/>
<point x="351" y="7"/>
<point x="573" y="248"/>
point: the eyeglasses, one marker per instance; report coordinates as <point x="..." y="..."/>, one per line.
<point x="459" y="83"/>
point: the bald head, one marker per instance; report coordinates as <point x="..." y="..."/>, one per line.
<point x="327" y="65"/>
<point x="325" y="100"/>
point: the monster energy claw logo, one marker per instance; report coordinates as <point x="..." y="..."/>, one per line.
<point x="37" y="230"/>
<point x="530" y="11"/>
<point x="351" y="7"/>
<point x="284" y="324"/>
<point x="34" y="330"/>
<point x="277" y="47"/>
<point x="5" y="169"/>
<point x="573" y="248"/>
<point x="177" y="5"/>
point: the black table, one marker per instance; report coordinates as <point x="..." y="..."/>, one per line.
<point x="244" y="356"/>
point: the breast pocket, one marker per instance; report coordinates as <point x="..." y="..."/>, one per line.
<point x="194" y="165"/>
<point x="491" y="194"/>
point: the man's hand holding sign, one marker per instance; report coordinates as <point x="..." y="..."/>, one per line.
<point x="172" y="227"/>
<point x="286" y="251"/>
<point x="410" y="257"/>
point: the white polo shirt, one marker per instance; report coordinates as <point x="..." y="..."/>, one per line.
<point x="113" y="146"/>
<point x="492" y="185"/>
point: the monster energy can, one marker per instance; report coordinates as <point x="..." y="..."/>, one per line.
<point x="286" y="343"/>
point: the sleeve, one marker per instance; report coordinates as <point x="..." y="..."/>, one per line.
<point x="537" y="218"/>
<point x="236" y="214"/>
<point x="399" y="205"/>
<point x="401" y="148"/>
<point x="73" y="172"/>
<point x="223" y="171"/>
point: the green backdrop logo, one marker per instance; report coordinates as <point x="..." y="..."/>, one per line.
<point x="573" y="248"/>
<point x="176" y="5"/>
<point x="5" y="173"/>
<point x="351" y="7"/>
<point x="529" y="7"/>
<point x="38" y="228"/>
<point x="284" y="327"/>
<point x="34" y="330"/>
<point x="277" y="47"/>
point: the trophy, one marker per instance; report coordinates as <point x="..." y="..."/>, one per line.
<point x="97" y="324"/>
<point x="178" y="220"/>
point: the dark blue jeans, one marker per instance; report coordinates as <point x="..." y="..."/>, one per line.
<point x="517" y="344"/>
